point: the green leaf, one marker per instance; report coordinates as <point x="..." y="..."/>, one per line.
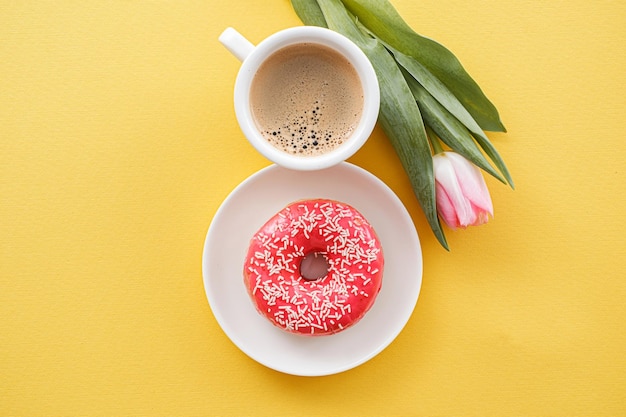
<point x="448" y="128"/>
<point x="399" y="115"/>
<point x="453" y="106"/>
<point x="437" y="89"/>
<point x="491" y="151"/>
<point x="309" y="12"/>
<point x="382" y="19"/>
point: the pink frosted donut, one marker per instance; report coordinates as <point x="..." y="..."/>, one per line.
<point x="343" y="259"/>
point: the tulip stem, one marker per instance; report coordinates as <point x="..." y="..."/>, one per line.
<point x="434" y="140"/>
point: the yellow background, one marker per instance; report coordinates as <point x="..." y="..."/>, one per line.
<point x="118" y="143"/>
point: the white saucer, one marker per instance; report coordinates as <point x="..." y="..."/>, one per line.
<point x="248" y="207"/>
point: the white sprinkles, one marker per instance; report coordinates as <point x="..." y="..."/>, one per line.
<point x="329" y="304"/>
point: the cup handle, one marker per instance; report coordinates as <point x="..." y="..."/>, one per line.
<point x="236" y="43"/>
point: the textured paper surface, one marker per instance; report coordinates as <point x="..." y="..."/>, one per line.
<point x="118" y="142"/>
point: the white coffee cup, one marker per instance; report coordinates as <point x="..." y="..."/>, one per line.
<point x="253" y="57"/>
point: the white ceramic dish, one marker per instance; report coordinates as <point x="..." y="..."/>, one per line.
<point x="248" y="207"/>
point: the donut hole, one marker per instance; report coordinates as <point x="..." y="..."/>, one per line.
<point x="314" y="266"/>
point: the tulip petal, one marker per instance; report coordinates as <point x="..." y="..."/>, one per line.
<point x="471" y="182"/>
<point x="445" y="207"/>
<point x="482" y="216"/>
<point x="446" y="177"/>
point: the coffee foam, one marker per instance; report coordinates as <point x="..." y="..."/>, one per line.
<point x="306" y="99"/>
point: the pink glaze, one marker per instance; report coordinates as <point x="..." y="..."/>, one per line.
<point x="327" y="305"/>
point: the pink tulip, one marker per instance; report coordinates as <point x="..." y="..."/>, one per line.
<point x="462" y="195"/>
